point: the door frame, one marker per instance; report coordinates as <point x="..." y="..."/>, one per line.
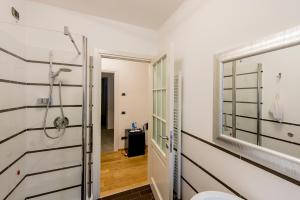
<point x="116" y="106"/>
<point x="98" y="55"/>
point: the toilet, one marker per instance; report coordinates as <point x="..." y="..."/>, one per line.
<point x="214" y="195"/>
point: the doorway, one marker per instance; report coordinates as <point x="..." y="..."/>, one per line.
<point x="107" y="112"/>
<point x="119" y="170"/>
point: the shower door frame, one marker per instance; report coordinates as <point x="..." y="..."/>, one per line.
<point x="84" y="117"/>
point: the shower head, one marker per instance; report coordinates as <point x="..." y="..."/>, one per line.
<point x="60" y="70"/>
<point x="68" y="33"/>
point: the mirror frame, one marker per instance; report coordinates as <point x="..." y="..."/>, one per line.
<point x="282" y="164"/>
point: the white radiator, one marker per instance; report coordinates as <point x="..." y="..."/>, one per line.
<point x="177" y="135"/>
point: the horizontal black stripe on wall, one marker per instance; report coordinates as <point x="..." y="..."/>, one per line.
<point x="34" y="129"/>
<point x="38" y="151"/>
<point x="241" y="74"/>
<point x="213" y="176"/>
<point x="274" y="172"/>
<point x="264" y="135"/>
<point x="55" y="106"/>
<point x="263" y="119"/>
<point x="52" y="127"/>
<point x="12" y="136"/>
<point x="47" y="84"/>
<point x="12" y="82"/>
<point x="243" y="88"/>
<point x="286" y="123"/>
<point x="12" y="109"/>
<point x="282" y="140"/>
<point x="53" y="191"/>
<point x="242" y="116"/>
<point x="38" y="173"/>
<point x="37" y="61"/>
<point x="37" y="84"/>
<point x="37" y="106"/>
<point x="249" y="102"/>
<point x="189" y="184"/>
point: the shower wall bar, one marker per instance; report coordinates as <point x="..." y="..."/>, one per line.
<point x="234" y="102"/>
<point x="84" y="117"/>
<point x="259" y="98"/>
<point x="234" y="99"/>
<point x="90" y="160"/>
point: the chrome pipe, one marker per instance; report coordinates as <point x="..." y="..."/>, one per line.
<point x="259" y="98"/>
<point x="68" y="33"/>
<point x="84" y="116"/>
<point x="234" y="99"/>
<point x="91" y="66"/>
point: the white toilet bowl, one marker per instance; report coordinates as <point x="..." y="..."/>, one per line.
<point x="214" y="195"/>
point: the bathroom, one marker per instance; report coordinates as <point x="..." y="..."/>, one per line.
<point x="192" y="38"/>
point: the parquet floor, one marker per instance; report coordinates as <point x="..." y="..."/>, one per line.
<point x="120" y="173"/>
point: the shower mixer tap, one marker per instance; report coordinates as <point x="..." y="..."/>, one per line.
<point x="60" y="122"/>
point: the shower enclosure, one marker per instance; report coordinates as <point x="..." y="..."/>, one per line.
<point x="45" y="148"/>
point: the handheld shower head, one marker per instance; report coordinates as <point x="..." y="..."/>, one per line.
<point x="60" y="70"/>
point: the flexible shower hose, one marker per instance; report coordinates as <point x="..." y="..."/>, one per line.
<point x="61" y="133"/>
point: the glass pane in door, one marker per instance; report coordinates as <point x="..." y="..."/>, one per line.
<point x="160" y="103"/>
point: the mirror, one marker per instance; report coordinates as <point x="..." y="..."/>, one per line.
<point x="261" y="100"/>
<point x="257" y="101"/>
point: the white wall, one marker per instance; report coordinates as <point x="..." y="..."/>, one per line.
<point x="133" y="78"/>
<point x="101" y="33"/>
<point x="199" y="30"/>
<point x="5" y="10"/>
<point x="12" y="122"/>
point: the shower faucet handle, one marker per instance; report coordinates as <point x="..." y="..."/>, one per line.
<point x="43" y="101"/>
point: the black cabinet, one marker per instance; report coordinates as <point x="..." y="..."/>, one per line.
<point x="134" y="142"/>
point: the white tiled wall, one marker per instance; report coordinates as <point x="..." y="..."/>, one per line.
<point x="201" y="180"/>
<point x="12" y="95"/>
<point x="35" y="44"/>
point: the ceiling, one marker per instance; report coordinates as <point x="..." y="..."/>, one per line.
<point x="144" y="13"/>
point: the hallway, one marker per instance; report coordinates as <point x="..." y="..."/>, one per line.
<point x="107" y="140"/>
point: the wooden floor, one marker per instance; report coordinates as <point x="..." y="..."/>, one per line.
<point x="120" y="173"/>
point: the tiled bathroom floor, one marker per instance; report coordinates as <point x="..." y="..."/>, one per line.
<point x="140" y="193"/>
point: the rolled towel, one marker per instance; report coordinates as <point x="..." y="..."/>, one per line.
<point x="276" y="109"/>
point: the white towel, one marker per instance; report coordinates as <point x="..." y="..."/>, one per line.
<point x="276" y="109"/>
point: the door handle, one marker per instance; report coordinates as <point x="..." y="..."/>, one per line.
<point x="164" y="137"/>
